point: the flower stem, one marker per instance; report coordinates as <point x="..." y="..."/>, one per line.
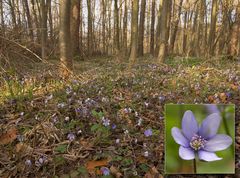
<point x="194" y="166"/>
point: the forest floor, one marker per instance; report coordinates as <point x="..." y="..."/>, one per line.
<point x="108" y="119"/>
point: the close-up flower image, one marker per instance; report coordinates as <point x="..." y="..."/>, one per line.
<point x="199" y="139"/>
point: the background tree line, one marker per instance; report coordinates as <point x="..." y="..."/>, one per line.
<point x="123" y="28"/>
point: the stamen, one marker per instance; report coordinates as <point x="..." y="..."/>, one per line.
<point x="197" y="142"/>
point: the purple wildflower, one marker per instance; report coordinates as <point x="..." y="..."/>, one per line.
<point x="114" y="126"/>
<point x="71" y="137"/>
<point x="148" y="132"/>
<point x="105" y="171"/>
<point x="28" y="162"/>
<point x="106" y="122"/>
<point x="202" y="141"/>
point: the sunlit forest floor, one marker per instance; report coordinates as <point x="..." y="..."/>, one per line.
<point x="99" y="120"/>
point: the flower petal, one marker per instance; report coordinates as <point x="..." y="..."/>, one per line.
<point x="218" y="142"/>
<point x="208" y="156"/>
<point x="210" y="126"/>
<point x="189" y="125"/>
<point x="186" y="153"/>
<point x="179" y="137"/>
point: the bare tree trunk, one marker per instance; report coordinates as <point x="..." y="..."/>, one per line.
<point x="104" y="26"/>
<point x="152" y="27"/>
<point x="75" y="22"/>
<point x="134" y="31"/>
<point x="81" y="31"/>
<point x="65" y="39"/>
<point x="13" y="15"/>
<point x="184" y="43"/>
<point x="125" y="36"/>
<point x="164" y="29"/>
<point x="200" y="33"/>
<point x="158" y="28"/>
<point x="192" y="51"/>
<point x="49" y="5"/>
<point x="2" y="18"/>
<point x="116" y="28"/>
<point x="36" y="20"/>
<point x="212" y="33"/>
<point x="175" y="27"/>
<point x="44" y="28"/>
<point x="29" y="19"/>
<point x="141" y="28"/>
<point x="90" y="31"/>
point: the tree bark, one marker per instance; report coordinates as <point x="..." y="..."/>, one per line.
<point x="65" y="39"/>
<point x="175" y="27"/>
<point x="75" y="24"/>
<point x="29" y="19"/>
<point x="212" y="33"/>
<point x="164" y="29"/>
<point x="141" y="29"/>
<point x="116" y="28"/>
<point x="2" y="18"/>
<point x="134" y="31"/>
<point x="158" y="28"/>
<point x="104" y="26"/>
<point x="90" y="31"/>
<point x="125" y="36"/>
<point x="152" y="27"/>
<point x="44" y="28"/>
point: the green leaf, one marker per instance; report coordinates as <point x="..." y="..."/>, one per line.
<point x="127" y="162"/>
<point x="61" y="148"/>
<point x="59" y="160"/>
<point x="82" y="170"/>
<point x="95" y="127"/>
<point x="144" y="167"/>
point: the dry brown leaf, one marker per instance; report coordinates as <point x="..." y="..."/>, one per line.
<point x="115" y="172"/>
<point x="223" y="97"/>
<point x="91" y="165"/>
<point x="234" y="87"/>
<point x="21" y="147"/>
<point x="8" y="137"/>
<point x="153" y="173"/>
<point x="141" y="159"/>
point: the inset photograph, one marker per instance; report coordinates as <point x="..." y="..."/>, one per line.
<point x="199" y="139"/>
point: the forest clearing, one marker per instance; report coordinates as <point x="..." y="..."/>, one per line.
<point x="84" y="95"/>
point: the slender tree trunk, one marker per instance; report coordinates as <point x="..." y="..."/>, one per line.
<point x="125" y="36"/>
<point x="29" y="19"/>
<point x="152" y="27"/>
<point x="200" y="33"/>
<point x="184" y="43"/>
<point x="90" y="31"/>
<point x="116" y="28"/>
<point x="65" y="39"/>
<point x="175" y="27"/>
<point x="44" y="28"/>
<point x="2" y="18"/>
<point x="158" y="28"/>
<point x="36" y="20"/>
<point x="49" y="5"/>
<point x="134" y="31"/>
<point x="104" y="26"/>
<point x="141" y="28"/>
<point x="164" y="29"/>
<point x="75" y="22"/>
<point x="81" y="31"/>
<point x="13" y="15"/>
<point x="212" y="33"/>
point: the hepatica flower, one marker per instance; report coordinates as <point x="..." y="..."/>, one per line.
<point x="200" y="140"/>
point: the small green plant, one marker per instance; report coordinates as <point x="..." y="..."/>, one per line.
<point x="61" y="148"/>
